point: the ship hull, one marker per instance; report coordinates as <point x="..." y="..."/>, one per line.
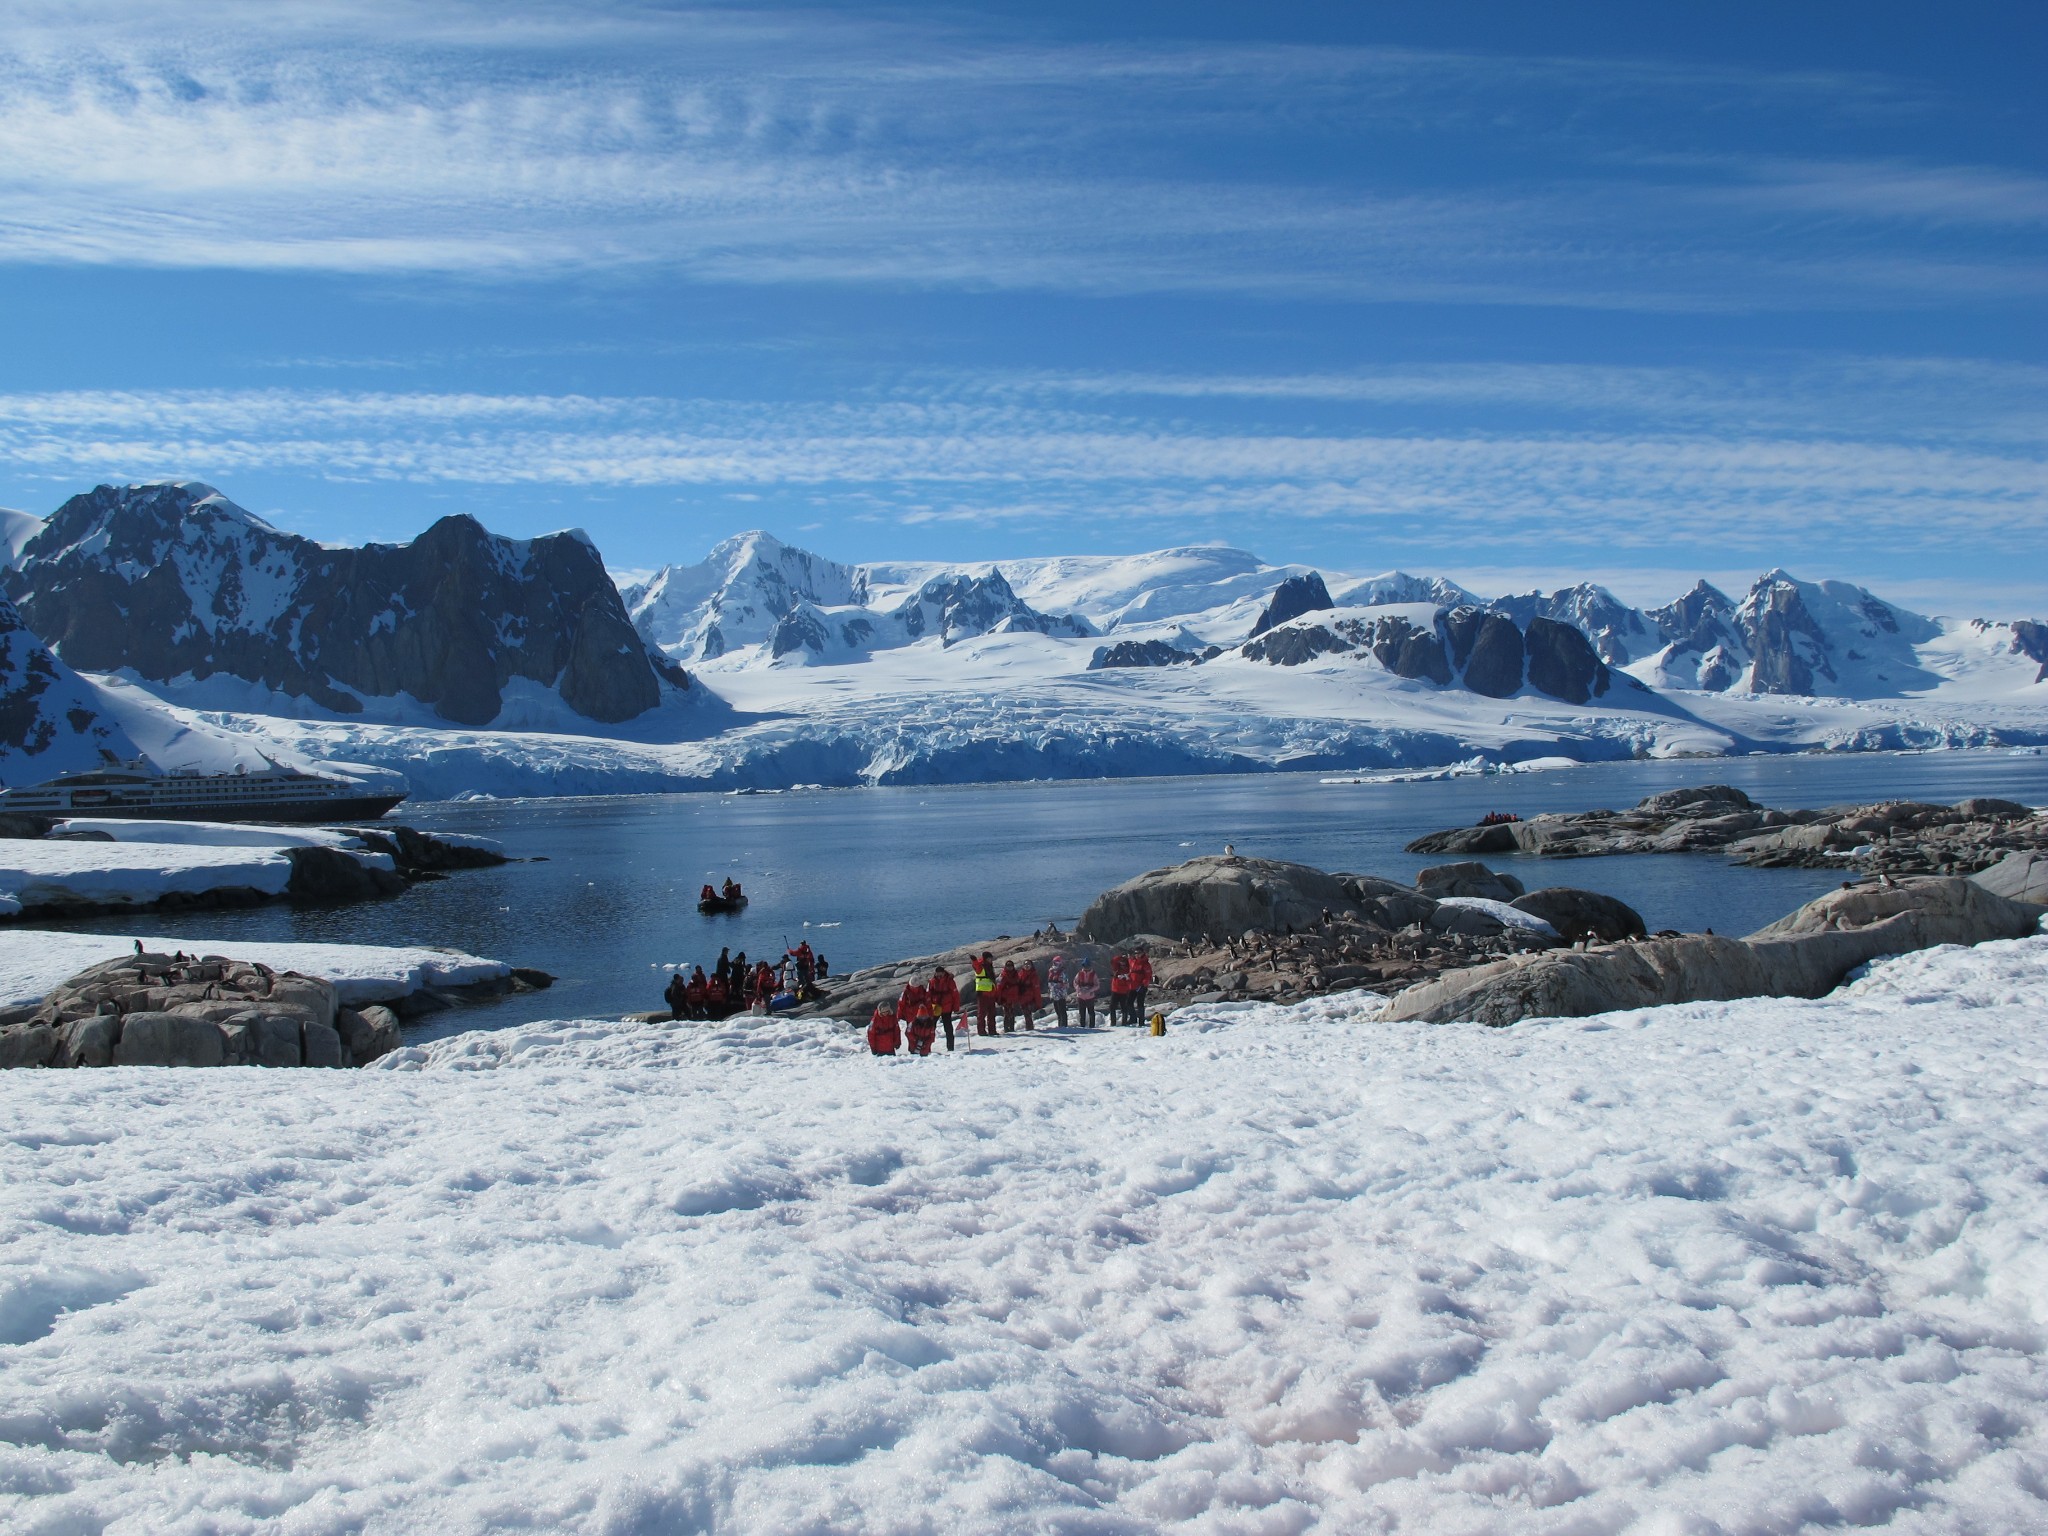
<point x="353" y="808"/>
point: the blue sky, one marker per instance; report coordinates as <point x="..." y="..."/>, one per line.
<point x="1505" y="291"/>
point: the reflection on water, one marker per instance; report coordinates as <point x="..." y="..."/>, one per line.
<point x="874" y="874"/>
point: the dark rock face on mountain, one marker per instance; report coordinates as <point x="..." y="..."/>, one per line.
<point x="1291" y="599"/>
<point x="2030" y="640"/>
<point x="50" y="718"/>
<point x="1562" y="663"/>
<point x="175" y="580"/>
<point x="1617" y="632"/>
<point x="1297" y="645"/>
<point x="1147" y="653"/>
<point x="1407" y="650"/>
<point x="1478" y="647"/>
<point x="1495" y="666"/>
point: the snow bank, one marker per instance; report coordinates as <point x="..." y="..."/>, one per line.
<point x="1740" y="1267"/>
<point x="1502" y="913"/>
<point x="213" y="834"/>
<point x="133" y="874"/>
<point x="32" y="962"/>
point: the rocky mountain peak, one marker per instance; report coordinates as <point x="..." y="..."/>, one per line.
<point x="175" y="581"/>
<point x="1618" y="632"/>
<point x="1291" y="599"/>
<point x="961" y="606"/>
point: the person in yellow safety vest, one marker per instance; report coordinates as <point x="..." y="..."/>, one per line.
<point x="985" y="994"/>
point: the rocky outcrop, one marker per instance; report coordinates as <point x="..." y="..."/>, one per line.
<point x="175" y="581"/>
<point x="321" y="875"/>
<point x="1497" y="659"/>
<point x="1403" y="648"/>
<point x="1475" y="648"/>
<point x="1805" y="955"/>
<point x="1892" y="837"/>
<point x="1296" y="645"/>
<point x="2030" y="639"/>
<point x="2018" y="877"/>
<point x="1577" y="914"/>
<point x="1563" y="664"/>
<point x="1216" y="897"/>
<point x="1291" y="599"/>
<point x="1148" y="653"/>
<point x="1475" y="880"/>
<point x="1263" y="930"/>
<point x="152" y="1010"/>
<point x="414" y="851"/>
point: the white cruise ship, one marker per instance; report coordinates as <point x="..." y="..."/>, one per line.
<point x="275" y="793"/>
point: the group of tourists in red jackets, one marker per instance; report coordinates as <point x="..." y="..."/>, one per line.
<point x="733" y="986"/>
<point x="1014" y="992"/>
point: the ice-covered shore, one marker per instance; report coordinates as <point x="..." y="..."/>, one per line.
<point x="1736" y="1267"/>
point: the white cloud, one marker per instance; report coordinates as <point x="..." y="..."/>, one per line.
<point x="979" y="459"/>
<point x="766" y="147"/>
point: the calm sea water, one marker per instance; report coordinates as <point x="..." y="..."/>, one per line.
<point x="876" y="874"/>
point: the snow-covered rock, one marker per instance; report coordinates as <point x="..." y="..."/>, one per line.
<point x="736" y="596"/>
<point x="51" y="720"/>
<point x="59" y="874"/>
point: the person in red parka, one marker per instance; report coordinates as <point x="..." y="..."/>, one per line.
<point x="1007" y="988"/>
<point x="914" y="1008"/>
<point x="764" y="984"/>
<point x="883" y="1033"/>
<point x="1119" y="990"/>
<point x="1141" y="983"/>
<point x="1030" y="994"/>
<point x="944" y="992"/>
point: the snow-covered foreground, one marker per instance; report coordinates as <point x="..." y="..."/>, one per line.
<point x="1733" y="1267"/>
<point x="33" y="961"/>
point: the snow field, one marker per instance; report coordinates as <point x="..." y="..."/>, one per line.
<point x="41" y="873"/>
<point x="34" y="961"/>
<point x="140" y="867"/>
<point x="1740" y="1268"/>
<point x="214" y="834"/>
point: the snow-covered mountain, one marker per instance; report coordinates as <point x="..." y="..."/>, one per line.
<point x="736" y="596"/>
<point x="791" y="605"/>
<point x="176" y="585"/>
<point x="52" y="721"/>
<point x="190" y="616"/>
